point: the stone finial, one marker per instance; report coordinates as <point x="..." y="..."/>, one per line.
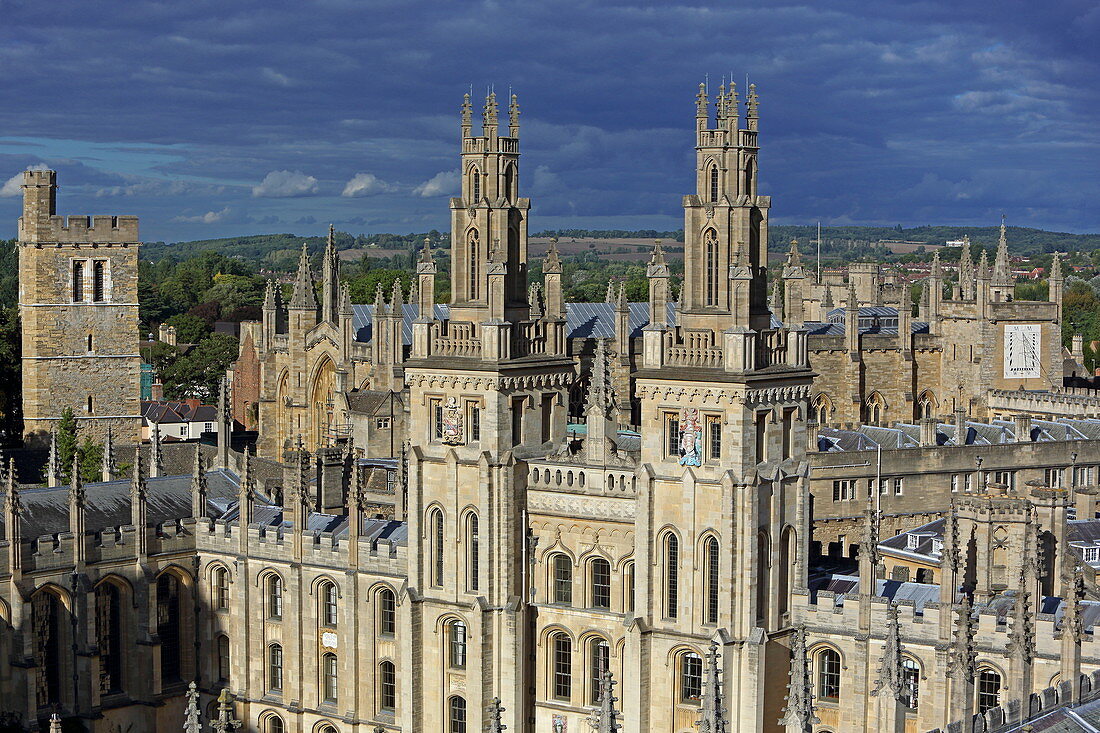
<point x="983" y="266"/>
<point x="552" y="263"/>
<point x="496" y="712"/>
<point x="600" y="397"/>
<point x="11" y="486"/>
<point x="108" y="468"/>
<point x="937" y="271"/>
<point x="610" y="296"/>
<point x="345" y="300"/>
<point x="962" y="652"/>
<point x="300" y="488"/>
<point x="620" y="297"/>
<point x="269" y="295"/>
<point x="1072" y="620"/>
<point x="490" y="112"/>
<point x="397" y="298"/>
<point x="891" y="675"/>
<point x="305" y="296"/>
<point x="513" y="116"/>
<point x="713" y="718"/>
<point x="701" y="103"/>
<point x="720" y="102"/>
<point x="199" y="486"/>
<point x="733" y="105"/>
<point x="1022" y="634"/>
<point x="657" y="257"/>
<point x="798" y="714"/>
<point x="1056" y="267"/>
<point x="139" y="489"/>
<point x="379" y="301"/>
<point x="466" y="114"/>
<point x="426" y="251"/>
<point x="155" y="459"/>
<point x="775" y="300"/>
<point x="76" y="485"/>
<point x="53" y="462"/>
<point x="1002" y="269"/>
<point x="192" y="723"/>
<point x="794" y="258"/>
<point x="55" y="723"/>
<point x="225" y="722"/>
<point x="752" y="108"/>
<point x="868" y="545"/>
<point x="605" y="719"/>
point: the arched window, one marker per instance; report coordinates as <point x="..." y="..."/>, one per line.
<point x="329" y="604"/>
<point x="473" y="254"/>
<point x="672" y="575"/>
<point x="387" y="686"/>
<point x="714" y="183"/>
<point x="169" y="604"/>
<point x="456" y="632"/>
<point x="273" y="724"/>
<point x="275" y="668"/>
<point x="220" y="581"/>
<point x="711" y="570"/>
<point x="562" y="678"/>
<point x="926" y="405"/>
<point x="876" y="409"/>
<point x="628" y="587"/>
<point x="329" y="678"/>
<point x="601" y="583"/>
<point x="509" y="182"/>
<point x="988" y="689"/>
<point x="691" y="677"/>
<point x="457" y="714"/>
<point x="473" y="568"/>
<point x="387" y="612"/>
<point x="828" y="674"/>
<point x="109" y="631"/>
<point x="822" y="409"/>
<point x="599" y="661"/>
<point x="328" y="729"/>
<point x="563" y="579"/>
<point x="910" y="676"/>
<point x="475" y="185"/>
<point x="223" y="658"/>
<point x="710" y="248"/>
<point x="48" y="625"/>
<point x="274" y="596"/>
<point x="435" y="524"/>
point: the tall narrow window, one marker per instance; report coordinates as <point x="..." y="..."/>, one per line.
<point x="989" y="689"/>
<point x="710" y="548"/>
<point x="221" y="589"/>
<point x="169" y="605"/>
<point x="274" y="597"/>
<point x="78" y="280"/>
<point x="628" y="587"/>
<point x="223" y="658"/>
<point x="714" y="431"/>
<point x="761" y="437"/>
<point x="547" y="415"/>
<point x="436" y="526"/>
<point x="599" y="662"/>
<point x="90" y="349"/>
<point x="436" y="411"/>
<point x="710" y="247"/>
<point x="458" y="645"/>
<point x="788" y="432"/>
<point x="473" y="254"/>
<point x="691" y="677"/>
<point x="601" y="583"/>
<point x="329" y="677"/>
<point x="672" y="575"/>
<point x="387" y="612"/>
<point x="509" y="182"/>
<point x="910" y="673"/>
<point x="672" y="434"/>
<point x="329" y="604"/>
<point x="99" y="281"/>
<point x="275" y="668"/>
<point x="714" y="183"/>
<point x="563" y="579"/>
<point x="108" y="624"/>
<point x="457" y="714"/>
<point x="387" y="686"/>
<point x="562" y="649"/>
<point x="473" y="567"/>
<point x="828" y="675"/>
<point x="475" y="185"/>
<point x="474" y="421"/>
<point x="750" y="174"/>
<point x="517" y="420"/>
<point x="91" y="405"/>
<point x="274" y="724"/>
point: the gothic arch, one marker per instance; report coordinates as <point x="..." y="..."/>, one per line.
<point x="927" y="404"/>
<point x="282" y="425"/>
<point x="875" y="408"/>
<point x="823" y="409"/>
<point x="315" y="584"/>
<point x="322" y="400"/>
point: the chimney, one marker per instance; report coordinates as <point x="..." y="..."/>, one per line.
<point x="170" y="335"/>
<point x="162" y="332"/>
<point x="928" y="427"/>
<point x="960" y="426"/>
<point x="813" y="431"/>
<point x="157" y="393"/>
<point x="1023" y="428"/>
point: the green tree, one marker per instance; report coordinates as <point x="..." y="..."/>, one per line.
<point x="199" y="372"/>
<point x="362" y="288"/>
<point x="190" y="329"/>
<point x="91" y="460"/>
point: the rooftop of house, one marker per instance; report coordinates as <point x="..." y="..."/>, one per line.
<point x="176" y="411"/>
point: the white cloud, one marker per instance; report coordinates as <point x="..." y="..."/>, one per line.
<point x="365" y="184"/>
<point x="440" y="184"/>
<point x="276" y="77"/>
<point x="14" y="185"/>
<point x="285" y="184"/>
<point x="210" y="217"/>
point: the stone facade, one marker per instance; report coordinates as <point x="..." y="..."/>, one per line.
<point x="79" y="310"/>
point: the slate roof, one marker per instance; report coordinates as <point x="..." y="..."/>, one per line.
<point x="907" y="435"/>
<point x="166" y="411"/>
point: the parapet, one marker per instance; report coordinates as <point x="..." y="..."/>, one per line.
<point x="83" y="230"/>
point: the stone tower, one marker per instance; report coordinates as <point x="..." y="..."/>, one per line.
<point x="487" y="387"/>
<point x="78" y="283"/>
<point x="722" y="485"/>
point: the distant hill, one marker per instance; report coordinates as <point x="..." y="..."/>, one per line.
<point x="281" y="251"/>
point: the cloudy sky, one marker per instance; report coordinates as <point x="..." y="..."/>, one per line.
<point x="218" y="118"/>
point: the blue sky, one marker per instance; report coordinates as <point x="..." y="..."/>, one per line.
<point x="212" y="119"/>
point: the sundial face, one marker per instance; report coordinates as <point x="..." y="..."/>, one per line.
<point x="1022" y="350"/>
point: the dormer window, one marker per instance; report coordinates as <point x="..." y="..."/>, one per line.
<point x="911" y="541"/>
<point x="937" y="547"/>
<point x="1090" y="554"/>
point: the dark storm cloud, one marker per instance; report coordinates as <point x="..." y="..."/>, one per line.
<point x="218" y="118"/>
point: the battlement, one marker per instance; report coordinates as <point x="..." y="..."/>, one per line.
<point x="80" y="230"/>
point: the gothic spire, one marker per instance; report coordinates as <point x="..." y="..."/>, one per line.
<point x="490" y="113"/>
<point x="198" y="483"/>
<point x="154" y="451"/>
<point x="701" y="103"/>
<point x="1056" y="267"/>
<point x="513" y="117"/>
<point x="983" y="266"/>
<point x="191" y="721"/>
<point x="713" y="711"/>
<point x="937" y="271"/>
<point x="397" y="298"/>
<point x="610" y="297"/>
<point x="269" y="295"/>
<point x="798" y="716"/>
<point x="752" y="108"/>
<point x="600" y="398"/>
<point x="76" y="485"/>
<point x="1002" y="270"/>
<point x="890" y="672"/>
<point x="467" y="115"/>
<point x="53" y="463"/>
<point x="605" y="719"/>
<point x="962" y="650"/>
<point x="138" y="486"/>
<point x="1022" y="634"/>
<point x="552" y="263"/>
<point x="794" y="259"/>
<point x="304" y="296"/>
<point x="15" y="504"/>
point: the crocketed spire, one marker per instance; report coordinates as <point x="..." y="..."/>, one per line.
<point x="192" y="723"/>
<point x="713" y="718"/>
<point x="1002" y="269"/>
<point x="605" y="719"/>
<point x="798" y="715"/>
<point x="304" y="294"/>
